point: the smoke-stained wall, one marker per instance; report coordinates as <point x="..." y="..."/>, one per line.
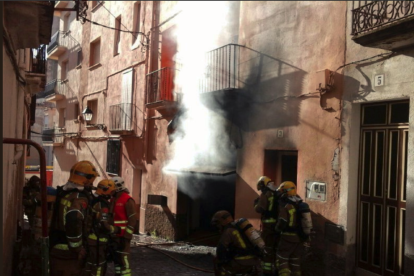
<point x="297" y="40"/>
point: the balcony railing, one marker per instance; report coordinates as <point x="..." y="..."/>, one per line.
<point x="120" y="117"/>
<point x="374" y="14"/>
<point x="222" y="69"/>
<point x="53" y="136"/>
<point x="161" y="87"/>
<point x="56" y="90"/>
<point x="38" y="60"/>
<point x="59" y="42"/>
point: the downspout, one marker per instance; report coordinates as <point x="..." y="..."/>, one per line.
<point x="43" y="192"/>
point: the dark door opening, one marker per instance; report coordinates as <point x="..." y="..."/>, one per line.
<point x="281" y="165"/>
<point x="199" y="197"/>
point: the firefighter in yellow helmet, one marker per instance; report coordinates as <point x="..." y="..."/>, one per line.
<point x="100" y="229"/>
<point x="123" y="209"/>
<point x="239" y="246"/>
<point x="267" y="206"/>
<point x="294" y="224"/>
<point x="67" y="240"/>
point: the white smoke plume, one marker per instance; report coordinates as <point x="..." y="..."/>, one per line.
<point x="203" y="139"/>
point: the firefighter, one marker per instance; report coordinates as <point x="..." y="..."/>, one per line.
<point x="295" y="225"/>
<point x="68" y="227"/>
<point x="100" y="229"/>
<point x="123" y="209"/>
<point x="235" y="253"/>
<point x="267" y="206"/>
<point x="31" y="198"/>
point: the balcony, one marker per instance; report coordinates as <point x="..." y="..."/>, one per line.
<point x="386" y="25"/>
<point x="60" y="43"/>
<point x="221" y="82"/>
<point x="120" y="118"/>
<point x="36" y="74"/>
<point x="162" y="93"/>
<point x="53" y="137"/>
<point x="56" y="90"/>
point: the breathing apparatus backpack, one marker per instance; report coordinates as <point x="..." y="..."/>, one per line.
<point x="304" y="220"/>
<point x="251" y="237"/>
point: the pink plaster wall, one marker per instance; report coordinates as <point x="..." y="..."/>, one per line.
<point x="302" y="39"/>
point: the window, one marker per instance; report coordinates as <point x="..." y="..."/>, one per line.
<point x="62" y="117"/>
<point x="79" y="61"/>
<point x="76" y="111"/>
<point x="95" y="55"/>
<point x="93" y="105"/>
<point x="137" y="19"/>
<point x="46" y="122"/>
<point x="64" y="70"/>
<point x="117" y="40"/>
<point x="113" y="156"/>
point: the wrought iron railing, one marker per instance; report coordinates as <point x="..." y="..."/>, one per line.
<point x="120" y="117"/>
<point x="222" y="69"/>
<point x="38" y="60"/>
<point x="58" y="136"/>
<point x="61" y="38"/>
<point x="47" y="135"/>
<point x="54" y="135"/>
<point x="55" y="87"/>
<point x="161" y="86"/>
<point x="368" y="15"/>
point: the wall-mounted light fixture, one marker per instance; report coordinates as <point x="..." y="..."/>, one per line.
<point x="87" y="114"/>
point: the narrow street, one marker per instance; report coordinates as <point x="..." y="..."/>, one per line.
<point x="169" y="258"/>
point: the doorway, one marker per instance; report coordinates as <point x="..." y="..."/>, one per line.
<point x="382" y="187"/>
<point x="281" y="165"/>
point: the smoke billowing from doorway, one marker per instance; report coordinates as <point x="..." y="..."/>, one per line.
<point x="202" y="138"/>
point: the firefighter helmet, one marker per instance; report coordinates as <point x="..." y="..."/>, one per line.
<point x="287" y="187"/>
<point x="105" y="187"/>
<point x="119" y="183"/>
<point x="221" y="218"/>
<point x="83" y="173"/>
<point x="263" y="182"/>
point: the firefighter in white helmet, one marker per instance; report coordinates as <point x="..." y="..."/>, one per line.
<point x="68" y="225"/>
<point x="123" y="209"/>
<point x="295" y="225"/>
<point x="267" y="206"/>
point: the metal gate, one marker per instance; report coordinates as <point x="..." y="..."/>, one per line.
<point x="382" y="188"/>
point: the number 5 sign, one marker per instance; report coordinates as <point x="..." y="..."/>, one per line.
<point x="379" y="80"/>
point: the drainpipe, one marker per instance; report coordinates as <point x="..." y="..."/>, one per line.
<point x="43" y="192"/>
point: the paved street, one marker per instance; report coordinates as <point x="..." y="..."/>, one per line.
<point x="146" y="261"/>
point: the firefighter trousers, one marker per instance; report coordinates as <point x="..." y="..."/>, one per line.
<point x="288" y="258"/>
<point x="270" y="239"/>
<point x="121" y="258"/>
<point x="96" y="263"/>
<point x="64" y="263"/>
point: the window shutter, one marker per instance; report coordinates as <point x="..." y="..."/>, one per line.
<point x="113" y="158"/>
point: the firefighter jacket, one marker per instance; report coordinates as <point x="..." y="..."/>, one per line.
<point x="234" y="244"/>
<point x="288" y="222"/>
<point x="123" y="209"/>
<point x="98" y="223"/>
<point x="68" y="228"/>
<point x="267" y="206"/>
